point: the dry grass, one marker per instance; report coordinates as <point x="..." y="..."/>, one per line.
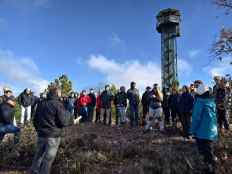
<point x="94" y="149"/>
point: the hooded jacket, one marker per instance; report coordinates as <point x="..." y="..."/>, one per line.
<point x="84" y="100"/>
<point x="204" y="120"/>
<point x="93" y="100"/>
<point x="106" y="99"/>
<point x="51" y="117"/>
<point x="133" y="97"/>
<point x="25" y="99"/>
<point x="120" y="99"/>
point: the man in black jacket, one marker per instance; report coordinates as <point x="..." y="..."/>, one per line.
<point x="7" y="104"/>
<point x="91" y="106"/>
<point x="25" y="100"/>
<point x="120" y="101"/>
<point x="145" y="103"/>
<point x="106" y="101"/>
<point x="50" y="118"/>
<point x="134" y="100"/>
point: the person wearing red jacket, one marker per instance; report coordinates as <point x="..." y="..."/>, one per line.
<point x="83" y="103"/>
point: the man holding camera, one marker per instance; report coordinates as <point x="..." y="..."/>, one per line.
<point x="7" y="105"/>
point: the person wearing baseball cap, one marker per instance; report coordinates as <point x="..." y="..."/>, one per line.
<point x="7" y="105"/>
<point x="204" y="125"/>
<point x="6" y="89"/>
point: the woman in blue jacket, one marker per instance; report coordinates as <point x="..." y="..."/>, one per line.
<point x="204" y="125"/>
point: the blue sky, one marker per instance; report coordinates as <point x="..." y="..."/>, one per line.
<point x="102" y="41"/>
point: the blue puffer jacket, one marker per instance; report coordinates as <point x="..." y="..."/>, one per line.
<point x="204" y="120"/>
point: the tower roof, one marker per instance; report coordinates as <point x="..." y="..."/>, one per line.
<point x="168" y="18"/>
<point x="168" y="12"/>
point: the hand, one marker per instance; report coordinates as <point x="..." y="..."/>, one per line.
<point x="12" y="103"/>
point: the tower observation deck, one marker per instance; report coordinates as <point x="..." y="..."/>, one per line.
<point x="168" y="25"/>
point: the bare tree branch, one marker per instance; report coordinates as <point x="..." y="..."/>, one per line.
<point x="227" y="4"/>
<point x="223" y="46"/>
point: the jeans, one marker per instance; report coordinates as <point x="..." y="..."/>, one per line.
<point x="25" y="114"/>
<point x="106" y="115"/>
<point x="155" y="114"/>
<point x="84" y="113"/>
<point x="9" y="128"/>
<point x="45" y="155"/>
<point x="134" y="115"/>
<point x="121" y="115"/>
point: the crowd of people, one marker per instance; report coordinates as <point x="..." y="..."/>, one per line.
<point x="199" y="109"/>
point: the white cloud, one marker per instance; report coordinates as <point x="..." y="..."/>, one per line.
<point x="193" y="53"/>
<point x="184" y="67"/>
<point x="220" y="68"/>
<point x="123" y="73"/>
<point x="21" y="71"/>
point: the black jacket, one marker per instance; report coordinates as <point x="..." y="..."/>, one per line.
<point x="25" y="100"/>
<point x="174" y="100"/>
<point x="121" y="99"/>
<point x="51" y="117"/>
<point x="106" y="99"/>
<point x="93" y="100"/>
<point x="6" y="110"/>
<point x="145" y="99"/>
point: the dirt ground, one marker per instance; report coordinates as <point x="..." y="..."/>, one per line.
<point x="98" y="149"/>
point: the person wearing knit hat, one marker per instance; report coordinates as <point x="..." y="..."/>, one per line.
<point x="204" y="125"/>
